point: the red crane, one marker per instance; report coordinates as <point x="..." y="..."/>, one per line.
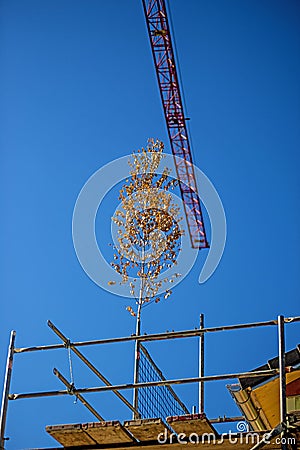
<point x="165" y="66"/>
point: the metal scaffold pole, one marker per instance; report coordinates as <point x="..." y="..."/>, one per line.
<point x="119" y="387"/>
<point x="159" y="336"/>
<point x="6" y="387"/>
<point x="137" y="362"/>
<point x="201" y="365"/>
<point x="282" y="379"/>
<point x="281" y="428"/>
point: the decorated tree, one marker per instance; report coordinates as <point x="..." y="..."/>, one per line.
<point x="148" y="232"/>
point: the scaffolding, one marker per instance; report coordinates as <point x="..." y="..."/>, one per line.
<point x="159" y="382"/>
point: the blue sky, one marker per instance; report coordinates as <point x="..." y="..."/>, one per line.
<point x="78" y="89"/>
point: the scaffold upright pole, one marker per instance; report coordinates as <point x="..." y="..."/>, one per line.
<point x="282" y="379"/>
<point x="201" y="365"/>
<point x="6" y="387"/>
<point x="137" y="362"/>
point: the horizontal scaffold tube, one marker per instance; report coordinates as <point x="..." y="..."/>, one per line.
<point x="158" y="336"/>
<point x="119" y="387"/>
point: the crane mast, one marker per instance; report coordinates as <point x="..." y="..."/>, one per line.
<point x="165" y="66"/>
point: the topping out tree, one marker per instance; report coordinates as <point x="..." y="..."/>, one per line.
<point x="148" y="230"/>
<point x="149" y="235"/>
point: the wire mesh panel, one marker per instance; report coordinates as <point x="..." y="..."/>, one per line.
<point x="156" y="401"/>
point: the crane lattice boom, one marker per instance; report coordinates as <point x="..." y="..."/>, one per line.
<point x="164" y="60"/>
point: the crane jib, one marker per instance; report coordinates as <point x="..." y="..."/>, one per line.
<point x="168" y="82"/>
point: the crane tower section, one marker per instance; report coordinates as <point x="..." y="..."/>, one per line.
<point x="168" y="82"/>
